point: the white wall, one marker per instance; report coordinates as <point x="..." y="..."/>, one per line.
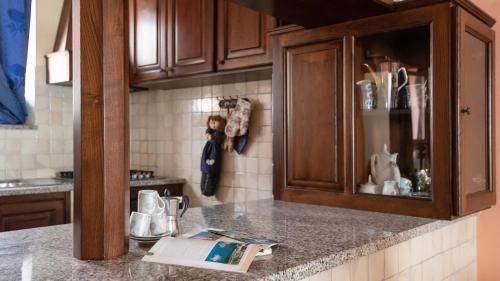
<point x="46" y="146"/>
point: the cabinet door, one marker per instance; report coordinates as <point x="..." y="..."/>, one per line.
<point x="475" y="114"/>
<point x="242" y="39"/>
<point x="190" y="37"/>
<point x="37" y="210"/>
<point x="314" y="120"/>
<point x="148" y="52"/>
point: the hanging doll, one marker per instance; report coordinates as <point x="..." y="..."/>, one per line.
<point x="211" y="158"/>
<point x="237" y="126"/>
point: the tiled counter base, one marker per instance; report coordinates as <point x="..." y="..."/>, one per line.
<point x="448" y="253"/>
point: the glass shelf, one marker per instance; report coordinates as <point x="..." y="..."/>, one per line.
<point x="392" y="114"/>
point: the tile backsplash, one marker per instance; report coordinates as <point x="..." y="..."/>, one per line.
<point x="46" y="147"/>
<point x="168" y="136"/>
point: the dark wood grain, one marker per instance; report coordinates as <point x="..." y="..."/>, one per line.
<point x="242" y="37"/>
<point x="100" y="93"/>
<point x="190" y="37"/>
<point x="314" y="123"/>
<point x="34" y="210"/>
<point x="441" y="205"/>
<point x="313" y="13"/>
<point x="148" y="39"/>
<point x="475" y="151"/>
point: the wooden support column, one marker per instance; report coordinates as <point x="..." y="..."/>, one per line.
<point x="101" y="131"/>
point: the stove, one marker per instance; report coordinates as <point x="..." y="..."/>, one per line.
<point x="135" y="175"/>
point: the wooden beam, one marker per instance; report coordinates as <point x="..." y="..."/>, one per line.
<point x="101" y="132"/>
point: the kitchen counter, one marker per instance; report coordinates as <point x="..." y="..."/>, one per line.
<point x="315" y="239"/>
<point x="65" y="185"/>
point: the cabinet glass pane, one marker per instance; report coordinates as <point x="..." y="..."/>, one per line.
<point x="392" y="113"/>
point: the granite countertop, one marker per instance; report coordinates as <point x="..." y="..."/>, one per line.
<point x="65" y="185"/>
<point x="315" y="239"/>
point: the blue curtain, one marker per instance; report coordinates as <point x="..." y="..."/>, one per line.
<point x="14" y="31"/>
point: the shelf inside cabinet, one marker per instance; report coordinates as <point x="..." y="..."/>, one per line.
<point x="392" y="113"/>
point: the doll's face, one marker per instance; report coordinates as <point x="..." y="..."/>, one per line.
<point x="214" y="124"/>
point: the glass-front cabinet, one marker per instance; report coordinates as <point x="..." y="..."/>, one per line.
<point x="392" y="113"/>
<point x="393" y="91"/>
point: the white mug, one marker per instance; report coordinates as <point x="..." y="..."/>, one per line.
<point x="149" y="202"/>
<point x="139" y="224"/>
<point x="390" y="188"/>
<point x="158" y="223"/>
<point x="405" y="186"/>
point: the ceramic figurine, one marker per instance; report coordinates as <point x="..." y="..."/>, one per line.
<point x="370" y="187"/>
<point x="390" y="188"/>
<point x="384" y="167"/>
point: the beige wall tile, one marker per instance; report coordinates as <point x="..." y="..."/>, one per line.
<point x="376" y="266"/>
<point x="416" y="273"/>
<point x="391" y="262"/>
<point x="404" y="255"/>
<point x="359" y="269"/>
<point x="322" y="276"/>
<point x="417" y="246"/>
<point x="342" y="272"/>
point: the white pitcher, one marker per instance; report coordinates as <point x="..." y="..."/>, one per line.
<point x="384" y="167"/>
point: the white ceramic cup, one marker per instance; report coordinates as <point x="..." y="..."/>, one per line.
<point x="149" y="202"/>
<point x="139" y="224"/>
<point x="405" y="186"/>
<point x="158" y="223"/>
<point x="390" y="188"/>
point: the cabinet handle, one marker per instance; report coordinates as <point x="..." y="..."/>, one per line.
<point x="465" y="110"/>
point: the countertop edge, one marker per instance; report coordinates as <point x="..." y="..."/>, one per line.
<point x="68" y="186"/>
<point x="326" y="263"/>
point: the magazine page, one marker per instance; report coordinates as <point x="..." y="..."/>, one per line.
<point x="203" y="253"/>
<point x="215" y="234"/>
<point x="234" y="236"/>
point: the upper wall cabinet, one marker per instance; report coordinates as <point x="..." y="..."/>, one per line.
<point x="366" y="114"/>
<point x="170" y="38"/>
<point x="176" y="38"/>
<point x="190" y="36"/>
<point x="148" y="38"/>
<point x="242" y="36"/>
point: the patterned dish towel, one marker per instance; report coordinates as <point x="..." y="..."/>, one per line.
<point x="238" y="122"/>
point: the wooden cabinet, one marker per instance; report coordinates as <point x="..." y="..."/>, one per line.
<point x="373" y="99"/>
<point x="190" y="36"/>
<point x="242" y="36"/>
<point x="148" y="39"/>
<point x="36" y="210"/>
<point x="177" y="38"/>
<point x="474" y="113"/>
<point x="170" y="38"/>
<point x="314" y="123"/>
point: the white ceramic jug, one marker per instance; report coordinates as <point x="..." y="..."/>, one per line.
<point x="384" y="167"/>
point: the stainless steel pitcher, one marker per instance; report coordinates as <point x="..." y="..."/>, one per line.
<point x="175" y="207"/>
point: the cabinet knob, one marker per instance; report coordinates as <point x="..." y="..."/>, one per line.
<point x="220" y="62"/>
<point x="465" y="110"/>
<point x="170" y="69"/>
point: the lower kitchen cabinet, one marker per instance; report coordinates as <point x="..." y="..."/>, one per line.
<point x="382" y="114"/>
<point x="34" y="210"/>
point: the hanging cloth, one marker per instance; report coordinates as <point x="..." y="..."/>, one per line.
<point x="14" y="32"/>
<point x="237" y="125"/>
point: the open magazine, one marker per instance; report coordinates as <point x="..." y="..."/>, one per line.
<point x="211" y="248"/>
